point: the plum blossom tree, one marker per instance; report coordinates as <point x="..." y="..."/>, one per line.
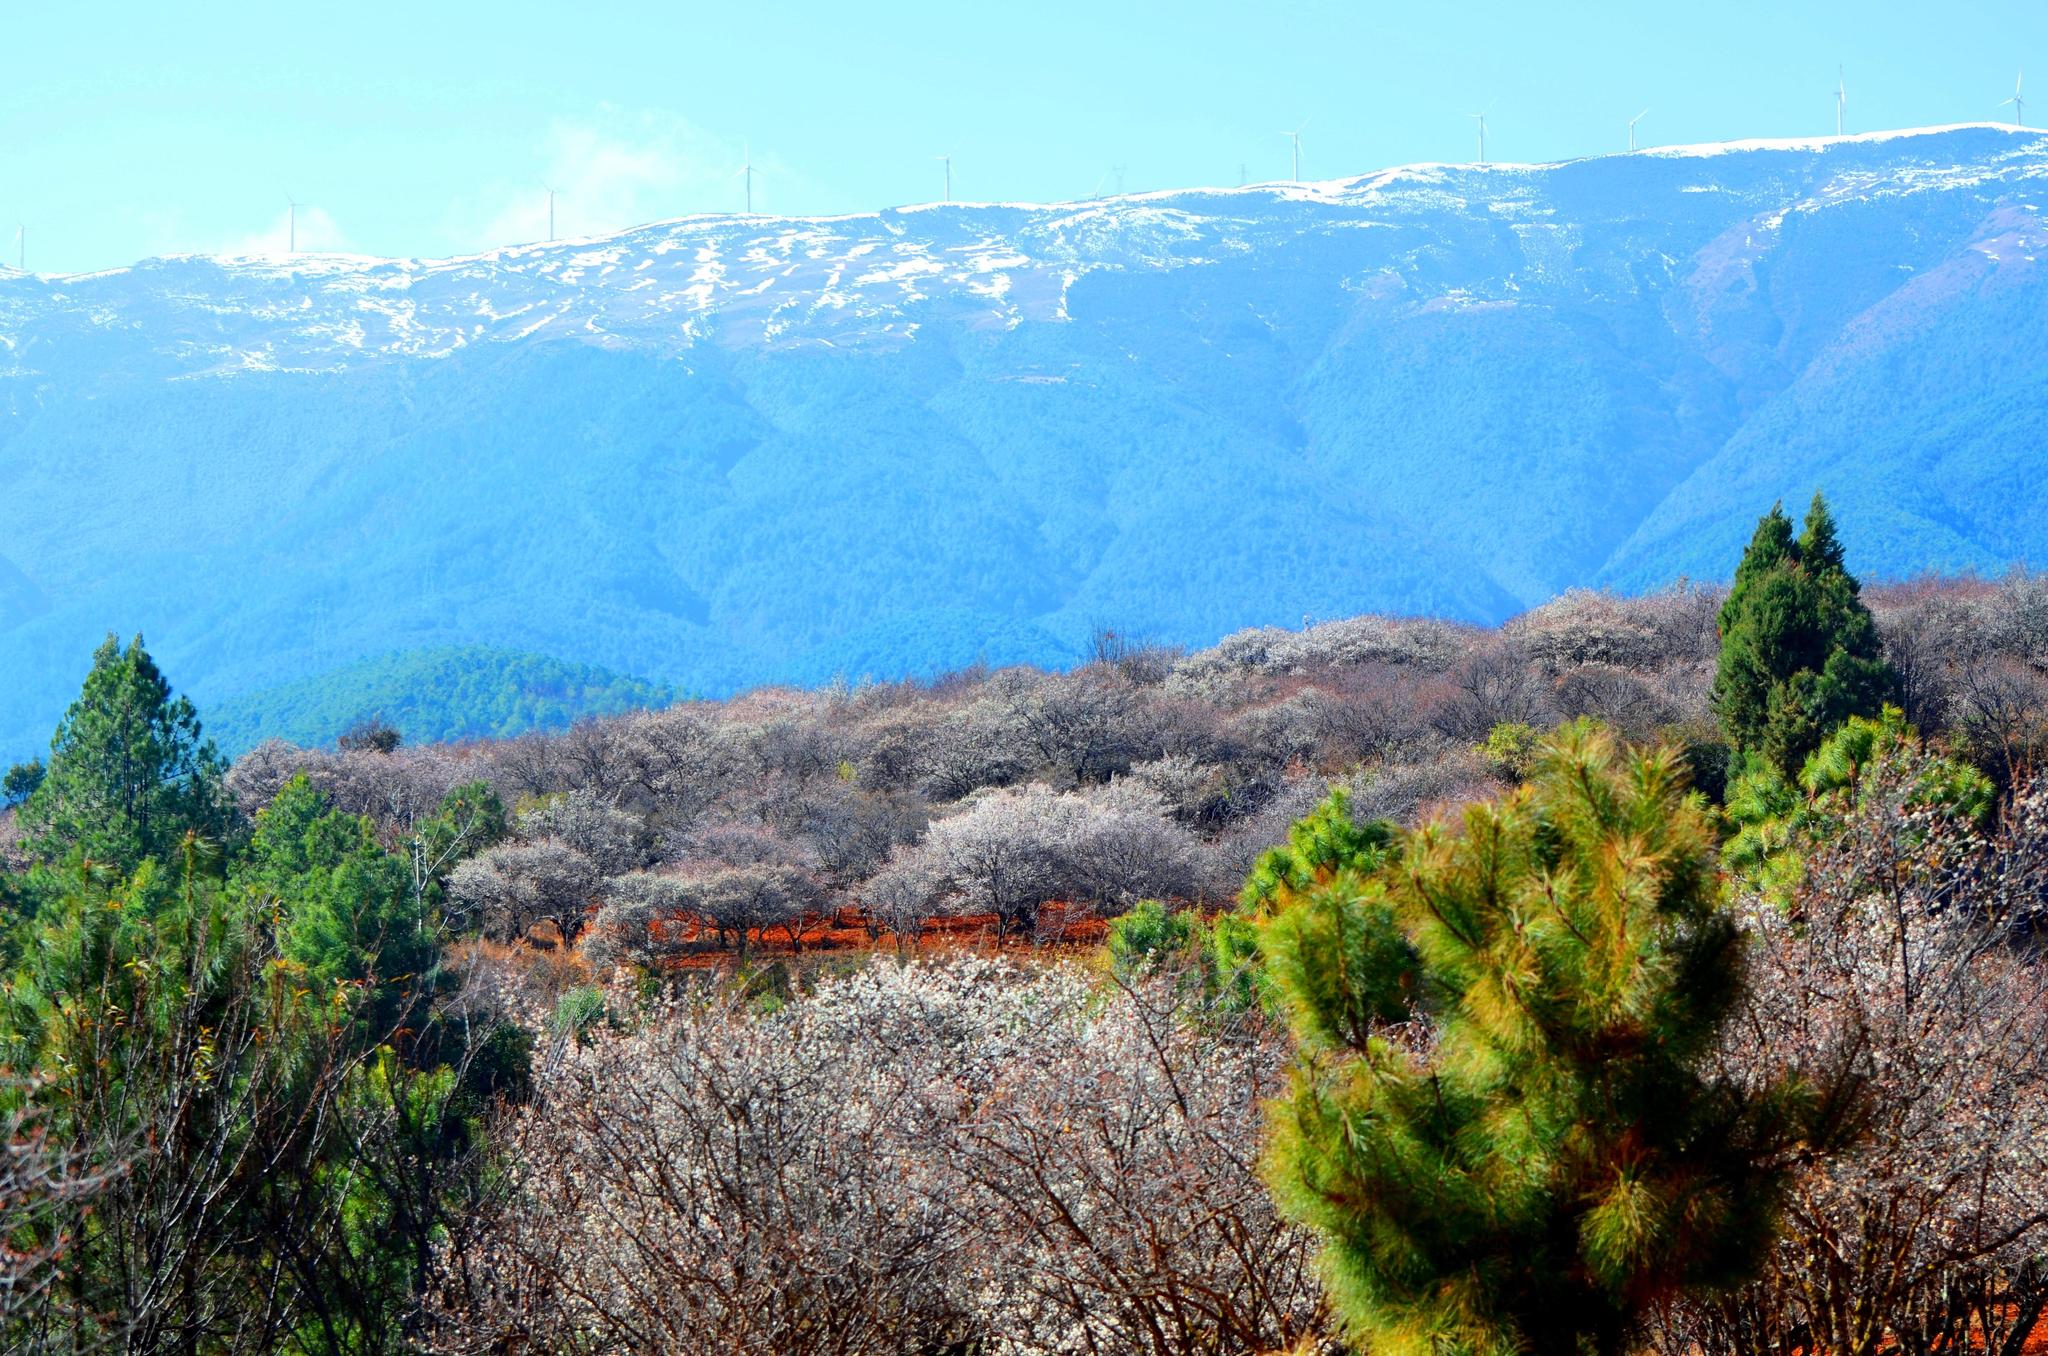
<point x="508" y="889"/>
<point x="966" y="1157"/>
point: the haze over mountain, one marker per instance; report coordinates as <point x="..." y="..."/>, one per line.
<point x="729" y="450"/>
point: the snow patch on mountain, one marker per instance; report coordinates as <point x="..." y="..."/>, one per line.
<point x="862" y="280"/>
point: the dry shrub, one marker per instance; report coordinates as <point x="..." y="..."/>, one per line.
<point x="967" y="749"/>
<point x="1010" y="852"/>
<point x="1117" y="1188"/>
<point x="396" y="789"/>
<point x="1896" y="989"/>
<point x="1495" y="686"/>
<point x="1294" y="730"/>
<point x="1428" y="645"/>
<point x="1618" y="696"/>
<point x="1411" y="793"/>
<point x="1378" y="712"/>
<point x="1584" y="627"/>
<point x="1928" y="632"/>
<point x="508" y="889"/>
<point x="1999" y="708"/>
<point x="1082" y="727"/>
<point x="1196" y="794"/>
<point x="912" y="1159"/>
<point x="1676" y="626"/>
<point x="516" y="979"/>
<point x="2015" y="618"/>
<point x="13" y="851"/>
<point x="850" y="779"/>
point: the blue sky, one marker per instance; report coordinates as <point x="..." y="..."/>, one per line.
<point x="429" y="128"/>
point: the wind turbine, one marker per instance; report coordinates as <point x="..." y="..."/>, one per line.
<point x="1240" y="174"/>
<point x="2019" y="105"/>
<point x="1632" y="127"/>
<point x="746" y="171"/>
<point x="291" y="238"/>
<point x="551" y="214"/>
<point x="1119" y="170"/>
<point x="1481" y="119"/>
<point x="1841" y="99"/>
<point x="1295" y="137"/>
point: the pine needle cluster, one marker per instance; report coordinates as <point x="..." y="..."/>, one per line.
<point x="1536" y="1158"/>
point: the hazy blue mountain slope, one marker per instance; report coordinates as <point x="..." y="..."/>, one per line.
<point x="1926" y="419"/>
<point x="1543" y="420"/>
<point x="730" y="450"/>
<point x="20" y="599"/>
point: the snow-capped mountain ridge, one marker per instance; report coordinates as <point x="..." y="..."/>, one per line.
<point x="722" y="450"/>
<point x="857" y="279"/>
<point x="314" y="260"/>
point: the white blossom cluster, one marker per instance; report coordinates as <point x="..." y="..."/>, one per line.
<point x="913" y="1158"/>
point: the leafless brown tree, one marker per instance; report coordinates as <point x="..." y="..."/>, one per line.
<point x="1896" y="989"/>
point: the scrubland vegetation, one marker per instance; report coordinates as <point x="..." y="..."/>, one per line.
<point x="1648" y="973"/>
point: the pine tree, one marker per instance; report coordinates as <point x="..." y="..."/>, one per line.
<point x="1800" y="652"/>
<point x="20" y="782"/>
<point x="1775" y="823"/>
<point x="130" y="772"/>
<point x="1538" y="1157"/>
<point x="344" y="904"/>
<point x="196" y="1076"/>
<point x="1333" y="953"/>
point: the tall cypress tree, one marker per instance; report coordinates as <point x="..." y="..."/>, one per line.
<point x="1800" y="652"/>
<point x="130" y="772"/>
<point x="1541" y="1156"/>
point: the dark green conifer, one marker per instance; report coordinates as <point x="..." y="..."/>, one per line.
<point x="344" y="905"/>
<point x="1800" y="652"/>
<point x="130" y="773"/>
<point x="20" y="782"/>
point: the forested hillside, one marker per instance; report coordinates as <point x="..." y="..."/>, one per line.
<point x="724" y="451"/>
<point x="431" y="696"/>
